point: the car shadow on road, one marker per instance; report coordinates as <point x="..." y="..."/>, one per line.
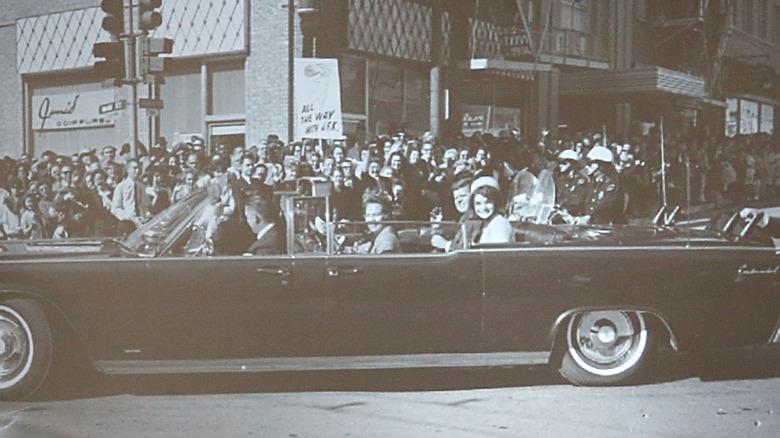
<point x="734" y="364"/>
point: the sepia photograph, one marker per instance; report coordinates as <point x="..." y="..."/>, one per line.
<point x="389" y="218"/>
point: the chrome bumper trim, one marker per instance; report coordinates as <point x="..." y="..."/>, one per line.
<point x="446" y="360"/>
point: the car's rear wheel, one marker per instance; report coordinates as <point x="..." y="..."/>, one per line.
<point x="608" y="347"/>
<point x="25" y="348"/>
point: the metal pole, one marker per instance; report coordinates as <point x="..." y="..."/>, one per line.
<point x="435" y="73"/>
<point x="688" y="183"/>
<point x="663" y="163"/>
<point x="290" y="70"/>
<point x="130" y="74"/>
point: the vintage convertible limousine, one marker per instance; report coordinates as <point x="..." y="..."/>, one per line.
<point x="596" y="302"/>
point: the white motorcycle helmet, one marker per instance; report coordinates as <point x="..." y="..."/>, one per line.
<point x="568" y="154"/>
<point x="600" y="153"/>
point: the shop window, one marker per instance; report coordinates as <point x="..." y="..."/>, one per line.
<point x="575" y="15"/>
<point x="748" y="117"/>
<point x="227" y="95"/>
<point x="767" y="119"/>
<point x="418" y="96"/>
<point x="182" y="96"/>
<point x="352" y="72"/>
<point x="228" y="134"/>
<point x="732" y="117"/>
<point x="398" y="97"/>
<point x="489" y="119"/>
<point x="386" y="83"/>
<point x="66" y="116"/>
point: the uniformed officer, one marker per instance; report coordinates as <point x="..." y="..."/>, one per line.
<point x="604" y="200"/>
<point x="570" y="184"/>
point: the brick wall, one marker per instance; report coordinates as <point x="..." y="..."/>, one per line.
<point x="266" y="70"/>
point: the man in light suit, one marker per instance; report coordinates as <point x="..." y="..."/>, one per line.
<point x="130" y="201"/>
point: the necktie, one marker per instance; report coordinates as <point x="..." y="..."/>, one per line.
<point x="137" y="196"/>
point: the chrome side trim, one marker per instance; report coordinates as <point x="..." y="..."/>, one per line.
<point x="539" y="249"/>
<point x="775" y="339"/>
<point x="445" y="360"/>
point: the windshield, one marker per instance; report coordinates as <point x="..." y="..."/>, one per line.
<point x="152" y="237"/>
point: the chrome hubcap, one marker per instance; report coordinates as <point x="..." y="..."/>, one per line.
<point x="607" y="342"/>
<point x="14" y="347"/>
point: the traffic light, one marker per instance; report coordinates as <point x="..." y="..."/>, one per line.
<point x="148" y="17"/>
<point x="149" y="49"/>
<point x="114" y="21"/>
<point x="113" y="64"/>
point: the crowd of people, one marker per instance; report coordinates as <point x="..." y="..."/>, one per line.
<point x="395" y="177"/>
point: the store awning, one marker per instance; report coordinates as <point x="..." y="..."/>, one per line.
<point x="644" y="82"/>
<point x="515" y="69"/>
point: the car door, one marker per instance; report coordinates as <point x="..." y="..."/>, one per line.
<point x="97" y="295"/>
<point x="226" y="307"/>
<point x="390" y="304"/>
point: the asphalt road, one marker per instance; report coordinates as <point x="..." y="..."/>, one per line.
<point x="733" y="395"/>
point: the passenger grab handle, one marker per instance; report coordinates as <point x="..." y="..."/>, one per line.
<point x="274" y="271"/>
<point x="335" y="272"/>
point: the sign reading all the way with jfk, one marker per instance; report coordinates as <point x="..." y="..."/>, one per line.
<point x="317" y="98"/>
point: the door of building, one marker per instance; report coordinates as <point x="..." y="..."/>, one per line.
<point x="228" y="133"/>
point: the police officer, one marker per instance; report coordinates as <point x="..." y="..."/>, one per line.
<point x="604" y="200"/>
<point x="570" y="184"/>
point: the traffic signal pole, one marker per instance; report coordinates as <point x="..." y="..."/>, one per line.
<point x="132" y="56"/>
<point x="130" y="73"/>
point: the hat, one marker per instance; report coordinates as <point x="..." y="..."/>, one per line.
<point x="600" y="153"/>
<point x="568" y="154"/>
<point x="484" y="181"/>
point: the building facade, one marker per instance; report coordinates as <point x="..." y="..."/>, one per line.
<point x="417" y="65"/>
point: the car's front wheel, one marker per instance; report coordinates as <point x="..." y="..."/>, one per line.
<point x="25" y="348"/>
<point x="607" y="347"/>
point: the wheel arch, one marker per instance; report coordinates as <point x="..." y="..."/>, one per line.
<point x="63" y="330"/>
<point x="656" y="320"/>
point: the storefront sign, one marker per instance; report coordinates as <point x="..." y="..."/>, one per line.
<point x="473" y="122"/>
<point x="318" y="98"/>
<point x="74" y="110"/>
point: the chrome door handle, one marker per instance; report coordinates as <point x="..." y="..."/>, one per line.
<point x="274" y="271"/>
<point x="335" y="271"/>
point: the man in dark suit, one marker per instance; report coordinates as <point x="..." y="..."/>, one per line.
<point x="261" y="218"/>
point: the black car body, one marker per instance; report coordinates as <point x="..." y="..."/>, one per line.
<point x="596" y="301"/>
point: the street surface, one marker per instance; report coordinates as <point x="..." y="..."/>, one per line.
<point x="736" y="395"/>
